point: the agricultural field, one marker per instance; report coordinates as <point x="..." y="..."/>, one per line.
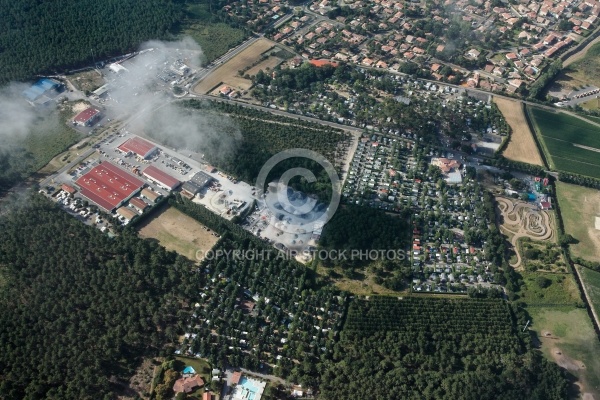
<point x="571" y="144"/>
<point x="415" y="348"/>
<point x="522" y="146"/>
<point x="580" y="206"/>
<point x="568" y="338"/>
<point x="268" y="64"/>
<point x="177" y="232"/>
<point x="549" y="289"/>
<point x="591" y="280"/>
<point x="228" y="72"/>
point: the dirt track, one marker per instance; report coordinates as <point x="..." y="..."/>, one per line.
<point x="523" y="220"/>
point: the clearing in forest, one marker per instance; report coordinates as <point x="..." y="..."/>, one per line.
<point x="177" y="232"/>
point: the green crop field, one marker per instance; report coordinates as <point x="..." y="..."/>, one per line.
<point x="570" y="144"/>
<point x="591" y="280"/>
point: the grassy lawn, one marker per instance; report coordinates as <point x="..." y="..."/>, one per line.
<point x="561" y="290"/>
<point x="177" y="232"/>
<point x="591" y="280"/>
<point x="561" y="135"/>
<point x="579" y="207"/>
<point x="569" y="331"/>
<point x="585" y="71"/>
<point x="50" y="137"/>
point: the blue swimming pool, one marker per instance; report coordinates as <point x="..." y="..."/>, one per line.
<point x="248" y="388"/>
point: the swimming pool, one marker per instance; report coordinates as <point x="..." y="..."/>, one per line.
<point x="248" y="389"/>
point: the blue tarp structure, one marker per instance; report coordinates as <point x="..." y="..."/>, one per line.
<point x="40" y="88"/>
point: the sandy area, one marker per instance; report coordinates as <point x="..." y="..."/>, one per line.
<point x="522" y="146"/>
<point x="79" y="107"/>
<point x="228" y="72"/>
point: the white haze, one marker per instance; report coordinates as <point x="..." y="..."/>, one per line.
<point x="140" y="94"/>
<point x="18" y="118"/>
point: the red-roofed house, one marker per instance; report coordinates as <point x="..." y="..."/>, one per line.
<point x="162" y="178"/>
<point x="87" y="117"/>
<point x="188" y="385"/>
<point x="139" y="146"/>
<point x="108" y="186"/>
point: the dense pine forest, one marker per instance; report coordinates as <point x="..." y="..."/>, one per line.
<point x="46" y="36"/>
<point x="437" y="349"/>
<point x="77" y="308"/>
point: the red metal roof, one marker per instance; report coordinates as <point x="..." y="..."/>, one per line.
<point x="138" y="146"/>
<point x="321" y="63"/>
<point x="108" y="185"/>
<point x="161" y="177"/>
<point x="85" y="115"/>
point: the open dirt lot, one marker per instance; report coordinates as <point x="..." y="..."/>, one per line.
<point x="270" y="62"/>
<point x="579" y="208"/>
<point x="87" y="80"/>
<point x="567" y="337"/>
<point x="228" y="72"/>
<point x="178" y="232"/>
<point x="519" y="219"/>
<point x="522" y="146"/>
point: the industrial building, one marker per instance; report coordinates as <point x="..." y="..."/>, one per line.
<point x="197" y="182"/>
<point x="151" y="195"/>
<point x="87" y="117"/>
<point x="138" y="204"/>
<point x="138" y="146"/>
<point x="43" y="91"/>
<point x="108" y="186"/>
<point x="126" y="213"/>
<point x="161" y="178"/>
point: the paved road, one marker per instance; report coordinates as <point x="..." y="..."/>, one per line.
<point x="276" y="112"/>
<point x="67" y="167"/>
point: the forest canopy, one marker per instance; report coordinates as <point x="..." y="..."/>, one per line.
<point x="77" y="308"/>
<point x="47" y="36"/>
